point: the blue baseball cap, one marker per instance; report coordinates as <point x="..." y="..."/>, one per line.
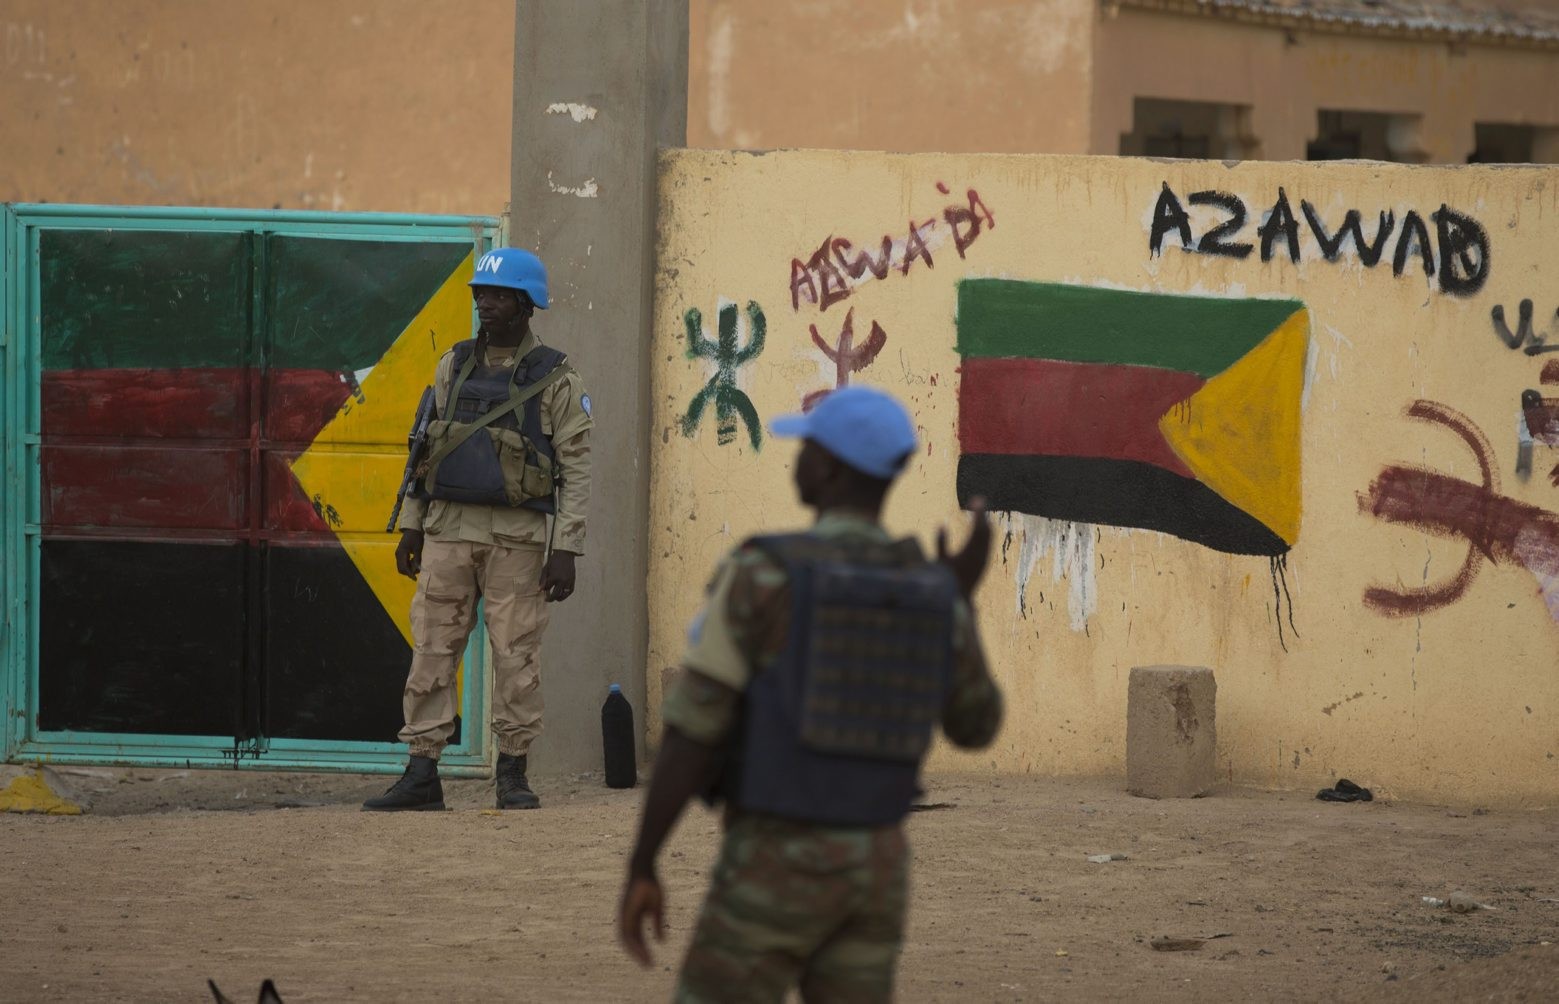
<point x="862" y="426"/>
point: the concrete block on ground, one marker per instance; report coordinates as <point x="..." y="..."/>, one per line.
<point x="1171" y="736"/>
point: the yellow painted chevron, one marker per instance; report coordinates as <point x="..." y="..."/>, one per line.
<point x="1239" y="433"/>
<point x="354" y="465"/>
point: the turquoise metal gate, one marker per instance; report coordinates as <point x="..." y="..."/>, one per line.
<point x="204" y="419"/>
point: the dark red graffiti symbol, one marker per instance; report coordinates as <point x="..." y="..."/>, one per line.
<point x="834" y="270"/>
<point x="1496" y="527"/>
<point x="846" y="356"/>
<point x="966" y="223"/>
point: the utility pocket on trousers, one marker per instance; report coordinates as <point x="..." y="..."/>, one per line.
<point x="527" y="475"/>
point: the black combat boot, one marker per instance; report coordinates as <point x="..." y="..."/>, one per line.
<point x="513" y="790"/>
<point x="418" y="790"/>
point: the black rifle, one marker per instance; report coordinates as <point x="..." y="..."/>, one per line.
<point x="416" y="453"/>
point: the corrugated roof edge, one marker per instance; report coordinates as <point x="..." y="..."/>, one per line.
<point x="1428" y="22"/>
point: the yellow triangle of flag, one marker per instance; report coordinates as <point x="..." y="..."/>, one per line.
<point x="1239" y="433"/>
<point x="354" y="465"/>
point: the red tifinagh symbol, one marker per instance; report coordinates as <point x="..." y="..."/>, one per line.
<point x="1495" y="526"/>
<point x="846" y="356"/>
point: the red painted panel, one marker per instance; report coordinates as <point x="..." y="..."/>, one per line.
<point x="187" y="403"/>
<point x="286" y="507"/>
<point x="138" y="487"/>
<point x="1042" y="407"/>
<point x="298" y="403"/>
<point x="173" y="404"/>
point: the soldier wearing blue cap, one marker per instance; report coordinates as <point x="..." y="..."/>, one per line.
<point x="499" y="516"/>
<point x="811" y="687"/>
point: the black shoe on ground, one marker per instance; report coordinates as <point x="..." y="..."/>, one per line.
<point x="418" y="790"/>
<point x="513" y="790"/>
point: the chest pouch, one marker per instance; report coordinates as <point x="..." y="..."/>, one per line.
<point x="879" y="660"/>
<point x="502" y="466"/>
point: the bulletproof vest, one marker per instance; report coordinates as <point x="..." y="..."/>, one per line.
<point x="835" y="729"/>
<point x="513" y="466"/>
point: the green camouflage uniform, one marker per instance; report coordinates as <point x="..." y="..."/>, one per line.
<point x="793" y="902"/>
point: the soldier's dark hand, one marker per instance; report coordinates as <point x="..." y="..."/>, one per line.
<point x="641" y="899"/>
<point x="968" y="565"/>
<point x="557" y="578"/>
<point x="408" y="553"/>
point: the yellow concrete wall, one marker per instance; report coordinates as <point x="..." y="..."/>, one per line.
<point x="1458" y="703"/>
<point x="395" y="105"/>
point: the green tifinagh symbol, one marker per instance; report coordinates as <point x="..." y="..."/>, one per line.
<point x="729" y="400"/>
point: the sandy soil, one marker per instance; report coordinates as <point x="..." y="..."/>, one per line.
<point x="174" y="877"/>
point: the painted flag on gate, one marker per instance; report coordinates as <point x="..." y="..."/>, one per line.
<point x="1165" y="412"/>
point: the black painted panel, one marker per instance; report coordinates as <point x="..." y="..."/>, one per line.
<point x="336" y="662"/>
<point x="140" y="637"/>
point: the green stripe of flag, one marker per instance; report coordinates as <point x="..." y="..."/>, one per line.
<point x="1042" y="320"/>
<point x="127" y="299"/>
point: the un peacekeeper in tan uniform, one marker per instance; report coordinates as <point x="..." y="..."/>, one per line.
<point x="499" y="521"/>
<point x="811" y="687"/>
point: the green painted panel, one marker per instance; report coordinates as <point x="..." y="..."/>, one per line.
<point x="1083" y="324"/>
<point x="339" y="304"/>
<point x="143" y="299"/>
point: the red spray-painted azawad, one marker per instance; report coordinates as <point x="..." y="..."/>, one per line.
<point x="1496" y="527"/>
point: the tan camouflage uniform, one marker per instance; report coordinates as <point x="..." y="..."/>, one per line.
<point x="496" y="552"/>
<point x="793" y="902"/>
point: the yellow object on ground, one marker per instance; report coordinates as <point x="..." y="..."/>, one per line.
<point x="31" y="793"/>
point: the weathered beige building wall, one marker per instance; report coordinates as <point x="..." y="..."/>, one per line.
<point x="1061" y="76"/>
<point x="390" y="105"/>
<point x="404" y="105"/>
<point x="1285" y="77"/>
<point x="1383" y="646"/>
<point x="960" y="76"/>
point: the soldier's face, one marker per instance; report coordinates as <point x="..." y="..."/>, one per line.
<point x="496" y="307"/>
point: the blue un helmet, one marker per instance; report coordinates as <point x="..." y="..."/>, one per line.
<point x="513" y="268"/>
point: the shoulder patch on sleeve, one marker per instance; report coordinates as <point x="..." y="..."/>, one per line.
<point x="584" y="404"/>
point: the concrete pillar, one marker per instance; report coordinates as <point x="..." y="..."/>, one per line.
<point x="599" y="86"/>
<point x="1171" y="737"/>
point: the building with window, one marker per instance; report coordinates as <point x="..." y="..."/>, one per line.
<point x="1414" y="81"/>
<point x="400" y="106"/>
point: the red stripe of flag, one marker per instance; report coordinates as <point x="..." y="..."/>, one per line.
<point x="1044" y="407"/>
<point x="196" y="403"/>
<point x="170" y="449"/>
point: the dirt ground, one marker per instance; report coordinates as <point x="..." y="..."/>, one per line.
<point x="175" y="877"/>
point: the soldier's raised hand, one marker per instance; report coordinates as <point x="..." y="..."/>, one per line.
<point x="968" y="565"/>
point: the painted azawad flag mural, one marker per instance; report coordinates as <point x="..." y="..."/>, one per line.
<point x="223" y="421"/>
<point x="1171" y="413"/>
